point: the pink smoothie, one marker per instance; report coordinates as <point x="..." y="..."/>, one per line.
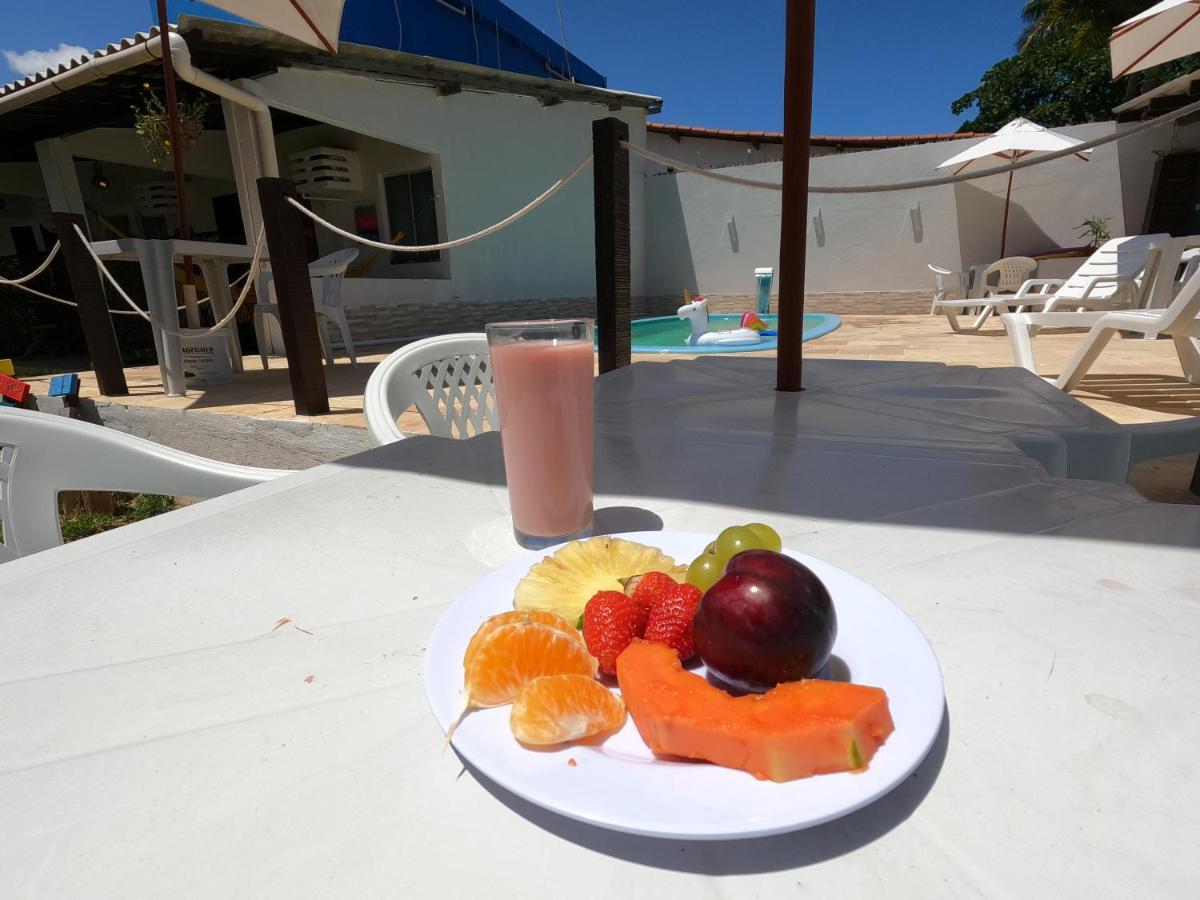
<point x="544" y="394"/>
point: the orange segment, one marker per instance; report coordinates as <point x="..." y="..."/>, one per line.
<point x="512" y="655"/>
<point x="558" y="708"/>
<point x="515" y="616"/>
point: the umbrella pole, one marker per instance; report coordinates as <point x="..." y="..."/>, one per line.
<point x="797" y="124"/>
<point x="185" y="231"/>
<point x="1004" y="227"/>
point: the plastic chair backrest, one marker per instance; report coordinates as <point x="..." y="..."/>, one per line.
<point x="447" y="378"/>
<point x="1185" y="307"/>
<point x="330" y="270"/>
<point x="1011" y="272"/>
<point x="1125" y="256"/>
<point x="42" y="454"/>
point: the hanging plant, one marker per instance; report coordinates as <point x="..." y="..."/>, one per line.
<point x="152" y="124"/>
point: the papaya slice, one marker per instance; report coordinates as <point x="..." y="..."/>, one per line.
<point x="794" y="730"/>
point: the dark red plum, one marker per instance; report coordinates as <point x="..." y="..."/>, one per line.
<point x="768" y="619"/>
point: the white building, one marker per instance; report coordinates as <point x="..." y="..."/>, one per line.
<point x="441" y="149"/>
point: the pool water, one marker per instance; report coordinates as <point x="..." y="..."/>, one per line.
<point x="666" y="334"/>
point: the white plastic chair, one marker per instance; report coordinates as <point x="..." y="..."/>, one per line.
<point x="1107" y="280"/>
<point x="447" y="378"/>
<point x="327" y="274"/>
<point x="42" y="454"/>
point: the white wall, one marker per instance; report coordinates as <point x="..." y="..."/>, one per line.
<point x="870" y="242"/>
<point x="497" y="152"/>
<point x="709" y="153"/>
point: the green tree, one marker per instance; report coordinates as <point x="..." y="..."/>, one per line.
<point x="1052" y="86"/>
<point x="1084" y="25"/>
<point x="1062" y="72"/>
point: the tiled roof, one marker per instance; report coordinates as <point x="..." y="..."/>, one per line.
<point x="124" y="44"/>
<point x="820" y="140"/>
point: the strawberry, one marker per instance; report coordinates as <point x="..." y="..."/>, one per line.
<point x="649" y="589"/>
<point x="611" y="621"/>
<point x="670" y="621"/>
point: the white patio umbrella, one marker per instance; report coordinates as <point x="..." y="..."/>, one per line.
<point x="1165" y="31"/>
<point x="1019" y="139"/>
<point x="314" y="22"/>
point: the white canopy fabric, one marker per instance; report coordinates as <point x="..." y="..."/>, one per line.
<point x="1019" y="139"/>
<point x="314" y="22"/>
<point x="1165" y="31"/>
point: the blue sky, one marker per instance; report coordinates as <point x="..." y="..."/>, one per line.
<point x="882" y="67"/>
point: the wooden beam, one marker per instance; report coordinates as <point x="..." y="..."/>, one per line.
<point x="94" y="317"/>
<point x="797" y="123"/>
<point x="611" y="170"/>
<point x="293" y="292"/>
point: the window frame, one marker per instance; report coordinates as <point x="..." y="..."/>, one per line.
<point x="439" y="268"/>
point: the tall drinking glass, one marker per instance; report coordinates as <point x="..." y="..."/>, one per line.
<point x="543" y="375"/>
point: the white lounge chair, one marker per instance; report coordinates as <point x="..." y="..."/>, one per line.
<point x="1179" y="321"/>
<point x="947" y="286"/>
<point x="42" y="454"/>
<point x="1107" y="280"/>
<point x="447" y="378"/>
<point x="1001" y="278"/>
<point x="327" y="274"/>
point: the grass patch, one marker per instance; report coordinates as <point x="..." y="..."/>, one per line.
<point x="81" y="523"/>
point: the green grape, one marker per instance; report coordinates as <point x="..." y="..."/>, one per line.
<point x="705" y="571"/>
<point x="767" y="535"/>
<point x="711" y="549"/>
<point x="734" y="540"/>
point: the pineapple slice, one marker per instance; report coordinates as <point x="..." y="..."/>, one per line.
<point x="565" y="582"/>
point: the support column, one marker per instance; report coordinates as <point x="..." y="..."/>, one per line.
<point x="58" y="173"/>
<point x="93" y="307"/>
<point x="611" y="170"/>
<point x="793" y="229"/>
<point x="293" y="292"/>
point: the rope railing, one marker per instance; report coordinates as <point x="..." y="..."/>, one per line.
<point x="457" y="242"/>
<point x="22" y="284"/>
<point x="137" y="310"/>
<point x="935" y="181"/>
<point x="45" y="264"/>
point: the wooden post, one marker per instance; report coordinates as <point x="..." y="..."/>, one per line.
<point x="88" y="291"/>
<point x="611" y="169"/>
<point x="797" y="123"/>
<point x="297" y="317"/>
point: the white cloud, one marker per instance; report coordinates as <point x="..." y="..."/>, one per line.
<point x="31" y="62"/>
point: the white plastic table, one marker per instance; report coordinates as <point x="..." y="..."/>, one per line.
<point x="227" y="700"/>
<point x="157" y="261"/>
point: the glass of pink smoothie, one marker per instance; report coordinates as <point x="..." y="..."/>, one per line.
<point x="543" y="372"/>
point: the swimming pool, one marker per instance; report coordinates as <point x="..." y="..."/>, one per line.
<point x="666" y="334"/>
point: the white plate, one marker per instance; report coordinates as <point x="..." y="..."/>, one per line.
<point x="619" y="784"/>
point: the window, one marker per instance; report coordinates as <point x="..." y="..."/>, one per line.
<point x="411" y="214"/>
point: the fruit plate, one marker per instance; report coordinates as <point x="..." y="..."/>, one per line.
<point x="619" y="784"/>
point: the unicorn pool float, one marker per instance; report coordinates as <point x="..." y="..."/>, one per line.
<point x="696" y="312"/>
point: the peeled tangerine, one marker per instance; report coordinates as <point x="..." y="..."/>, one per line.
<point x="794" y="730"/>
<point x="554" y="709"/>
<point x="511" y="655"/>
